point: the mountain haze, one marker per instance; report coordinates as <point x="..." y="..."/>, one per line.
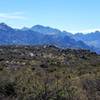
<point x="37" y="35"/>
<point x="92" y="39"/>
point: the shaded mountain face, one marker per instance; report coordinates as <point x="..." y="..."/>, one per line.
<point x="38" y="35"/>
<point x="13" y="36"/>
<point x="91" y="39"/>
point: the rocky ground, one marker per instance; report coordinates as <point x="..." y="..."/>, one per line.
<point x="48" y="73"/>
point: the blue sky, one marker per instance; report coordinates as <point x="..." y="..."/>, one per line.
<point x="70" y="15"/>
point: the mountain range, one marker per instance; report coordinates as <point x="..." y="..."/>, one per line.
<point x="41" y="35"/>
<point x="92" y="39"/>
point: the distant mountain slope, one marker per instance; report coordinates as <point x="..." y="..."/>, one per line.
<point x="91" y="39"/>
<point x="38" y="35"/>
<point x="45" y="30"/>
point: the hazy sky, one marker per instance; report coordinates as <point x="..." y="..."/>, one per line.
<point x="70" y="15"/>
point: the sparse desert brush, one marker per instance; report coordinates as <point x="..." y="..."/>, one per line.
<point x="63" y="75"/>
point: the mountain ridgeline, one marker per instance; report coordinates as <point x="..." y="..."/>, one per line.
<point x="40" y="35"/>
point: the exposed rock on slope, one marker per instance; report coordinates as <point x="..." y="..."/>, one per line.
<point x="48" y="73"/>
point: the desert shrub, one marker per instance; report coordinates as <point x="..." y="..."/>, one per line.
<point x="7" y="88"/>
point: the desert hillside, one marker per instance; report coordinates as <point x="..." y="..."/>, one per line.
<point x="48" y="73"/>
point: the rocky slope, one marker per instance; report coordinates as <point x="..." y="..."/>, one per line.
<point x="48" y="73"/>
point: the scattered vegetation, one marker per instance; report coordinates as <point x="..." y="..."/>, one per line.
<point x="48" y="73"/>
